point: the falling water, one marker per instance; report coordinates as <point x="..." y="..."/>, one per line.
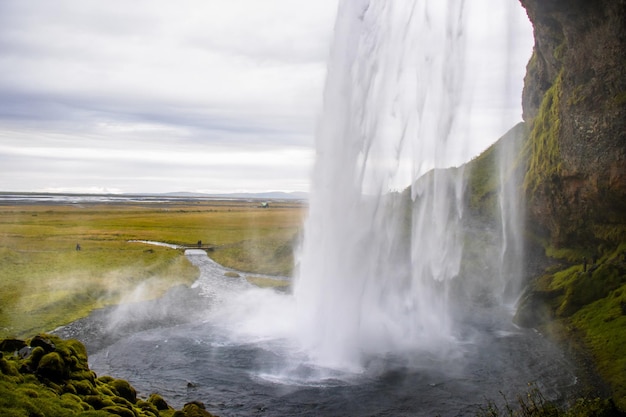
<point x="376" y="265"/>
<point x="371" y="280"/>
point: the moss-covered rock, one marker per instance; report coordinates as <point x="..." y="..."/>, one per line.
<point x="158" y="402"/>
<point x="52" y="367"/>
<point x="195" y="409"/>
<point x="124" y="390"/>
<point x="54" y="379"/>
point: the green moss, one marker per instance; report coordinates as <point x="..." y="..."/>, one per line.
<point x="124" y="390"/>
<point x="590" y="307"/>
<point x="542" y="147"/>
<point x="64" y="386"/>
<point x="566" y="253"/>
<point x="52" y="367"/>
<point x="603" y="324"/>
<point x="609" y="232"/>
<point x="482" y="182"/>
<point x="620" y="99"/>
<point x="576" y="96"/>
<point x="158" y="402"/>
<point x="484" y="176"/>
<point x="559" y="51"/>
<point x="589" y="287"/>
<point x="83" y="387"/>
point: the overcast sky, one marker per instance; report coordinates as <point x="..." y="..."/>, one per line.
<point x="192" y="95"/>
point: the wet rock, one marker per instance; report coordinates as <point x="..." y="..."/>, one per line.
<point x="11" y="345"/>
<point x="46" y="344"/>
<point x="25" y="352"/>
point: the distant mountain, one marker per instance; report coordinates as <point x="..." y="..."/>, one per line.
<point x="270" y="195"/>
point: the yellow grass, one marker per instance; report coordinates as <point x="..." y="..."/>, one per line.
<point x="45" y="282"/>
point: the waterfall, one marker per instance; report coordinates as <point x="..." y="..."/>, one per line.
<point x="374" y="269"/>
<point x="377" y="264"/>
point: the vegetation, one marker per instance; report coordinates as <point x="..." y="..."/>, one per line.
<point x="534" y="404"/>
<point x="483" y="177"/>
<point x="543" y="144"/>
<point x="586" y="302"/>
<point x="483" y="182"/>
<point x="50" y="377"/>
<point x="45" y="282"/>
<point x="267" y="282"/>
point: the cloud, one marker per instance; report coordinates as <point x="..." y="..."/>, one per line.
<point x="141" y="91"/>
<point x="128" y="95"/>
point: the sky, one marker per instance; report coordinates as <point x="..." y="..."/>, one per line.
<point x="206" y="96"/>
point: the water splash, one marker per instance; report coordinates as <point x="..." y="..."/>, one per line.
<point x="389" y="116"/>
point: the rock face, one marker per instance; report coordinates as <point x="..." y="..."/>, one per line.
<point x="574" y="102"/>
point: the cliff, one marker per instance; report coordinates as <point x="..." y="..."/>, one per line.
<point x="574" y="107"/>
<point x="574" y="102"/>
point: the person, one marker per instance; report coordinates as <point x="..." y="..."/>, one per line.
<point x="78" y="246"/>
<point x="584" y="264"/>
<point x="199" y="243"/>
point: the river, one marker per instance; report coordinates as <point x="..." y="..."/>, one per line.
<point x="225" y="343"/>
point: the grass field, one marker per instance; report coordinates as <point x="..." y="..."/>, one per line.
<point x="45" y="282"/>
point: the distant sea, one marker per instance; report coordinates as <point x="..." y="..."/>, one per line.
<point x="8" y="198"/>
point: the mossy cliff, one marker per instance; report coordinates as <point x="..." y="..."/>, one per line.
<point x="574" y="104"/>
<point x="50" y="377"/>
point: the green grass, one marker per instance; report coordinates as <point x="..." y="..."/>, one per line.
<point x="266" y="282"/>
<point x="45" y="282"/>
<point x="590" y="307"/>
<point x="603" y="324"/>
